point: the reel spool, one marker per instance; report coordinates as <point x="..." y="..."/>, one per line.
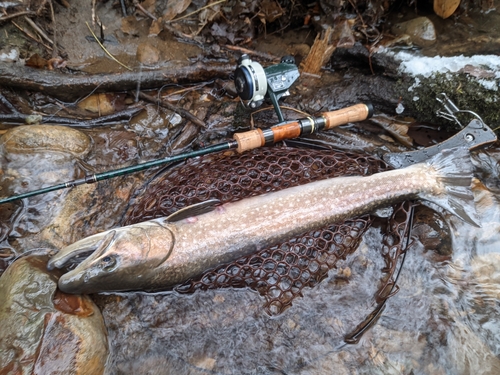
<point x="254" y="83"/>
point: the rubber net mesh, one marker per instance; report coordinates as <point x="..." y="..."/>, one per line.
<point x="279" y="273"/>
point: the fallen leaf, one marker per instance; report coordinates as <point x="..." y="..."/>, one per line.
<point x="97" y="103"/>
<point x="36" y="61"/>
<point x="445" y="8"/>
<point x="175" y="7"/>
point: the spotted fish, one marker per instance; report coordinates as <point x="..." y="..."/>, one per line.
<point x="160" y="253"/>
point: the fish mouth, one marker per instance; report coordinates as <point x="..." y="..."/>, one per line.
<point x="73" y="255"/>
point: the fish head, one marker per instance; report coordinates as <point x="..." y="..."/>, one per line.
<point x="118" y="258"/>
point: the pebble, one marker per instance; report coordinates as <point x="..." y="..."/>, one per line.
<point x="148" y="54"/>
<point x="486" y="268"/>
<point x="45" y="331"/>
<point x="41" y="138"/>
<point x="421" y="31"/>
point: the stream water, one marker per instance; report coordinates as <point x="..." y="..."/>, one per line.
<point x="445" y="319"/>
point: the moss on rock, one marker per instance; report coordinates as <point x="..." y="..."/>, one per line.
<point x="481" y="96"/>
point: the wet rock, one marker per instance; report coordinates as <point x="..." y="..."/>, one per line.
<point x="45" y="331"/>
<point x="82" y="211"/>
<point x="421" y="31"/>
<point x="204" y="362"/>
<point x="148" y="54"/>
<point x="487" y="271"/>
<point x="468" y="352"/>
<point x="42" y="138"/>
<point x="432" y="231"/>
<point x="156" y="27"/>
<point x="130" y="26"/>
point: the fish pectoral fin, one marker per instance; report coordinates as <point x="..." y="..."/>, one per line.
<point x="81" y="250"/>
<point x="194" y="210"/>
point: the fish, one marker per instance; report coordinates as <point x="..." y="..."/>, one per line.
<point x="161" y="253"/>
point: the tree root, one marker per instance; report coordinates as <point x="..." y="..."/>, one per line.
<point x="69" y="87"/>
<point x="17" y="118"/>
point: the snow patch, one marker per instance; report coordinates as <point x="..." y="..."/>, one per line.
<point x="11" y="56"/>
<point x="427" y="66"/>
<point x="487" y="70"/>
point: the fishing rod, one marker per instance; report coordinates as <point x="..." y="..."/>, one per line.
<point x="241" y="142"/>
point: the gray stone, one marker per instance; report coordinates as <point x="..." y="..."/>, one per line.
<point x="421" y="31"/>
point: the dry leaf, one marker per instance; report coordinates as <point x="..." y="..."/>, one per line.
<point x="175" y="7"/>
<point x="97" y="103"/>
<point x="445" y="8"/>
<point x="36" y="61"/>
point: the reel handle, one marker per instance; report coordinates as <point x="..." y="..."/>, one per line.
<point x="293" y="129"/>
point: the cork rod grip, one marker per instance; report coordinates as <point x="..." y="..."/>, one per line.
<point x="249" y="140"/>
<point x="355" y="113"/>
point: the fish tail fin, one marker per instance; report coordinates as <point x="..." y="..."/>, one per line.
<point x="455" y="170"/>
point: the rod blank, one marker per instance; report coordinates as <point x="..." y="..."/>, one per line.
<point x="241" y="142"/>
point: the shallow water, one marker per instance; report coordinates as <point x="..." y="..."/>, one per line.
<point x="445" y="318"/>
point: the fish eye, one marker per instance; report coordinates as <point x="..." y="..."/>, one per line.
<point x="108" y="262"/>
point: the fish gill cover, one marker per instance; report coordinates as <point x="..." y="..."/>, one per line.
<point x="281" y="272"/>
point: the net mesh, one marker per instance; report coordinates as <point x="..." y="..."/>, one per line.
<point x="281" y="272"/>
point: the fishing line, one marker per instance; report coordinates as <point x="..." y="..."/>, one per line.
<point x="372" y="318"/>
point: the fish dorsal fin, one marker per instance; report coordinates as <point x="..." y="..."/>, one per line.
<point x="194" y="210"/>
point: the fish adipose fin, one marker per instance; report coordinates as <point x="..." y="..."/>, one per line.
<point x="454" y="168"/>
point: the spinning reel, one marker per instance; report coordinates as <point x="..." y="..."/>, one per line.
<point x="254" y="83"/>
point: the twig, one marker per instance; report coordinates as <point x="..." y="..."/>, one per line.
<point x="145" y="11"/>
<point x="8" y="104"/>
<point x="54" y="44"/>
<point x="40" y="8"/>
<point x="70" y="87"/>
<point x="186" y="114"/>
<point x="187" y="89"/>
<point x="105" y="50"/>
<point x="263" y="55"/>
<point x="19" y="14"/>
<point x="21" y="118"/>
<point x="37" y="29"/>
<point x="197" y="10"/>
<point x="24" y="13"/>
<point x="124" y="8"/>
<point x="176" y="32"/>
<point x="31" y="36"/>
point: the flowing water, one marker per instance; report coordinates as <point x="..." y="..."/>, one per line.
<point x="444" y="320"/>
